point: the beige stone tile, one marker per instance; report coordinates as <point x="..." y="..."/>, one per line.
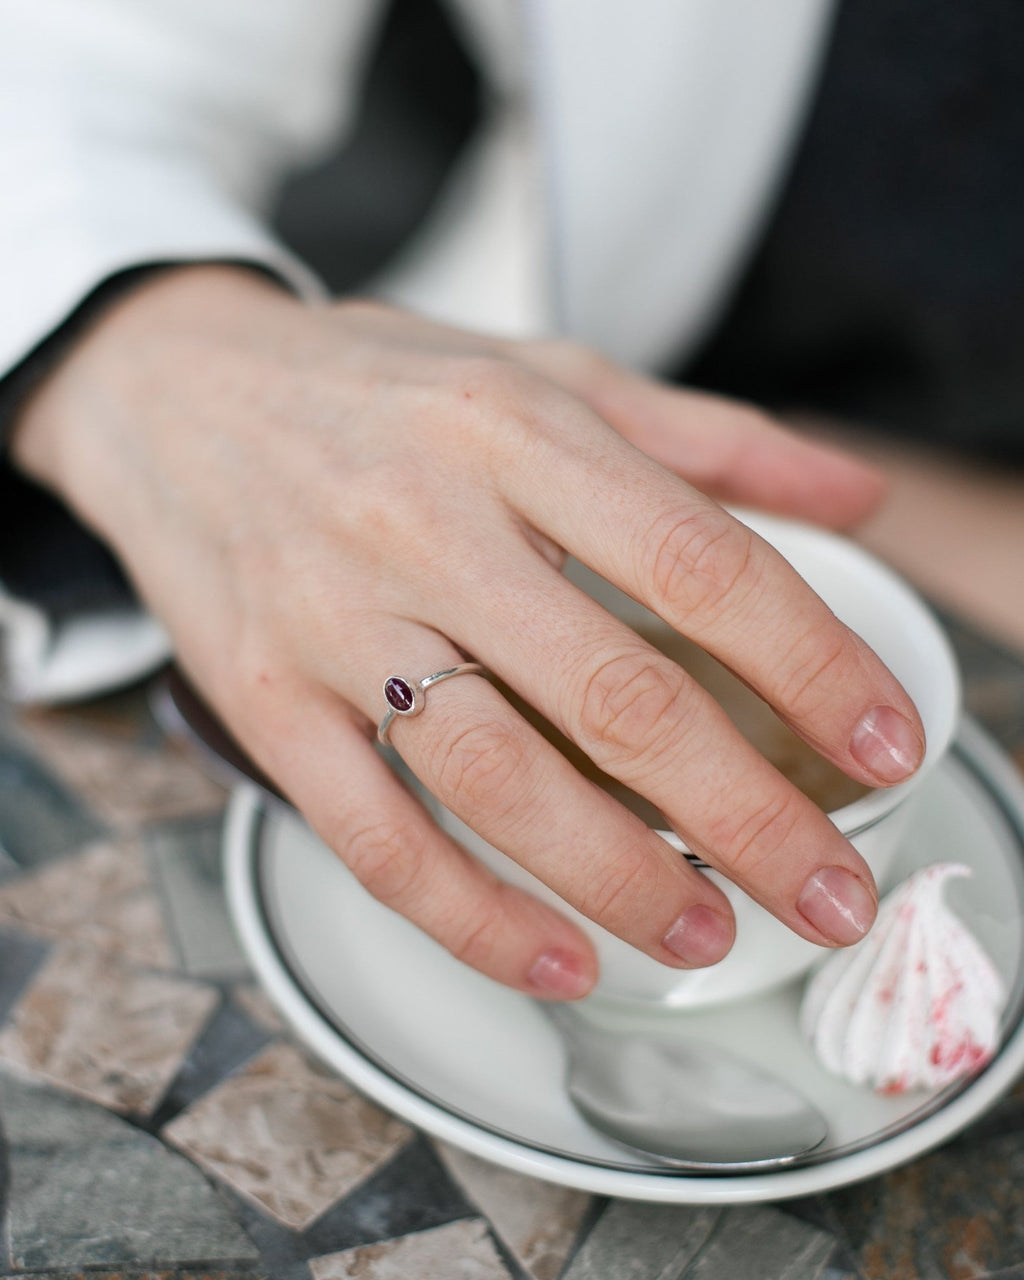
<point x="126" y="781"/>
<point x="254" y="1001"/>
<point x="288" y="1134"/>
<point x="457" y="1251"/>
<point x="102" y="896"/>
<point x="538" y="1222"/>
<point x="98" y="1028"/>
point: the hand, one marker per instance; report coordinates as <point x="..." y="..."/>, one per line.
<point x="313" y="498"/>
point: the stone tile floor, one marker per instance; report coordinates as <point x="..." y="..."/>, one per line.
<point x="156" y="1119"/>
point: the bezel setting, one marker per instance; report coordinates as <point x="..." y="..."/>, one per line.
<point x="404" y="697"/>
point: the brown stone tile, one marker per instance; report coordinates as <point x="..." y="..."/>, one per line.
<point x="459" y="1249"/>
<point x="98" y="1028"/>
<point x="287" y="1134"/>
<point x="102" y="896"/>
<point x="537" y="1222"/>
<point x="127" y="776"/>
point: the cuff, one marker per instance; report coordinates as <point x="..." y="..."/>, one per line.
<point x="47" y="660"/>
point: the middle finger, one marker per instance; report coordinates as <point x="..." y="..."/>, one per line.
<point x="647" y="723"/>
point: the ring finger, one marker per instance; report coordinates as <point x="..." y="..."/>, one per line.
<point x="311" y="743"/>
<point x="502" y="778"/>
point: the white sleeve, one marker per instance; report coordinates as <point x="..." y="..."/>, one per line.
<point x="135" y="131"/>
<point x="142" y="131"/>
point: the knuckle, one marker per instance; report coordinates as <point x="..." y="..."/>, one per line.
<point x="499" y="409"/>
<point x="387" y="859"/>
<point x="611" y="896"/>
<point x="482" y="771"/>
<point x="386" y="498"/>
<point x="476" y="942"/>
<point x="363" y="307"/>
<point x="818" y="665"/>
<point x="502" y="384"/>
<point x="750" y="841"/>
<point x="391" y="515"/>
<point x="572" y="359"/>
<point x="630" y="706"/>
<point x="751" y="420"/>
<point x="702" y="562"/>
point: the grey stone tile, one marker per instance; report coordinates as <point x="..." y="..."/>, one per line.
<point x="89" y="1190"/>
<point x="410" y="1192"/>
<point x="8" y="867"/>
<point x="228" y="1041"/>
<point x="186" y="862"/>
<point x="537" y="1222"/>
<point x="643" y="1242"/>
<point x="461" y="1249"/>
<point x="39" y="817"/>
<point x="19" y="959"/>
<point x="758" y="1243"/>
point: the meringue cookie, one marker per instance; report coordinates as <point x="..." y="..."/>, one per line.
<point x="917" y="1004"/>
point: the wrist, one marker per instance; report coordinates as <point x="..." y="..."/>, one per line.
<point x="73" y="390"/>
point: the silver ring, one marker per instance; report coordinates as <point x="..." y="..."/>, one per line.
<point x="405" y="697"/>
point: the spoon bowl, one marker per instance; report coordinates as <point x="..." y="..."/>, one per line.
<point x="691" y="1105"/>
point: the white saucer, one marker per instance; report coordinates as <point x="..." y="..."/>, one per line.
<point x="479" y="1066"/>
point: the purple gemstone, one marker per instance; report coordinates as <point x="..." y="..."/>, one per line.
<point x="399" y="694"/>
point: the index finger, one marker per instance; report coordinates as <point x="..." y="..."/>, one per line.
<point x="717" y="582"/>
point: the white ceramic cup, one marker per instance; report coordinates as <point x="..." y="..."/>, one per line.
<point x="894" y="621"/>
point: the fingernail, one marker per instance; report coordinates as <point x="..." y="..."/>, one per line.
<point x="699" y="937"/>
<point x="838" y="905"/>
<point x="560" y="974"/>
<point x="887" y="744"/>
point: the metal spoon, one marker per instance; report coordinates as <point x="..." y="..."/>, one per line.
<point x="688" y="1103"/>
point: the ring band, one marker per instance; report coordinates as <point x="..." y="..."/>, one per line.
<point x="405" y="697"/>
